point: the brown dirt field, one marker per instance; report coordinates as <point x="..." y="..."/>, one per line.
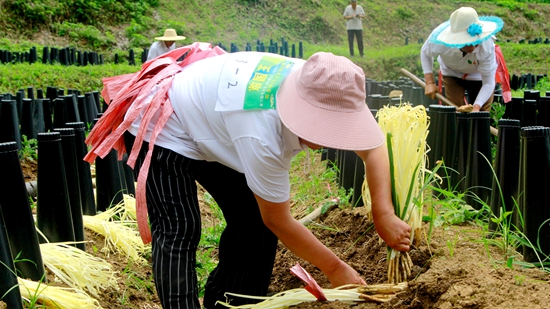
<point x="456" y="269"/>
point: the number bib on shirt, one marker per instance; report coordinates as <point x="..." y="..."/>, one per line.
<point x="249" y="81"/>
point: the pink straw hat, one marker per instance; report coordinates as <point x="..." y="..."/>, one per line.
<point x="323" y="102"/>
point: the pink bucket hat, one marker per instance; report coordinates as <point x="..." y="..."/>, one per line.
<point x="323" y="102"/>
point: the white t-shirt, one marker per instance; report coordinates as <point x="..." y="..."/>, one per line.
<point x="355" y="23"/>
<point x="158" y="48"/>
<point x="209" y="122"/>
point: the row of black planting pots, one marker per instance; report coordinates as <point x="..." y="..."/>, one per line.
<point x="65" y="193"/>
<point x="378" y="92"/>
<point x="531" y="110"/>
<point x="52" y="55"/>
<point x="28" y="116"/>
<point x="273" y="47"/>
<point x="72" y="56"/>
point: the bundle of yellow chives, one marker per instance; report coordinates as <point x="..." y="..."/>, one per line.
<point x="56" y="297"/>
<point x="77" y="268"/>
<point x="406" y="129"/>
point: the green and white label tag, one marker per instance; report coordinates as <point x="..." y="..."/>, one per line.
<point x="250" y="81"/>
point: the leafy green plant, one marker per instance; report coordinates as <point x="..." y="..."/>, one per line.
<point x="519" y="280"/>
<point x="29" y="149"/>
<point x="131" y="278"/>
<point x="451" y="244"/>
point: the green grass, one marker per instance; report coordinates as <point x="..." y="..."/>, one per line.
<point x="14" y="77"/>
<point x="318" y="24"/>
<point x="207" y="257"/>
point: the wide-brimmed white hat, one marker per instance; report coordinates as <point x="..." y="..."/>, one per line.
<point x="466" y="28"/>
<point x="170" y="35"/>
<point x="323" y="102"/>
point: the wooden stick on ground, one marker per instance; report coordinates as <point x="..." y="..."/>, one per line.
<point x="438" y="96"/>
<point x="314" y="215"/>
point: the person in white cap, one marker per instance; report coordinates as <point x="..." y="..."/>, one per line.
<point x="233" y="122"/>
<point x="466" y="56"/>
<point x="164" y="43"/>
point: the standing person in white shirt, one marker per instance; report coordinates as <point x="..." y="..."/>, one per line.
<point x="354" y="14"/>
<point x="164" y="44"/>
<point x="466" y="56"/>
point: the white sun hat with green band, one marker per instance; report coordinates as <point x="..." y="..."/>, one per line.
<point x="466" y="28"/>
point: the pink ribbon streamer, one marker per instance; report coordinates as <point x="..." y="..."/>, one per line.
<point x="311" y="284"/>
<point x="131" y="90"/>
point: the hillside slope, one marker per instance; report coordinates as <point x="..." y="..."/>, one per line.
<point x="100" y="26"/>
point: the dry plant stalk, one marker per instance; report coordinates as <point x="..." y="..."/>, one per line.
<point x="350" y="294"/>
<point x="77" y="268"/>
<point x="119" y="230"/>
<point x="56" y="297"/>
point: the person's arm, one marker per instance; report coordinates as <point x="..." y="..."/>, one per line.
<point x="394" y="231"/>
<point x="296" y="237"/>
<point x="487" y="66"/>
<point x="431" y="88"/>
<point x="486" y="90"/>
<point x="427" y="67"/>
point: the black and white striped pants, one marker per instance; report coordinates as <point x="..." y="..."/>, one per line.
<point x="247" y="247"/>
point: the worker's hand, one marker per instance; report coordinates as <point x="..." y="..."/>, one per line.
<point x="344" y="274"/>
<point x="394" y="231"/>
<point x="476" y="108"/>
<point x="430" y="90"/>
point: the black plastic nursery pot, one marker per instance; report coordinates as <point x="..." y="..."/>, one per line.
<point x="53" y="210"/>
<point x="9" y="122"/>
<point x="358" y="179"/>
<point x="110" y="181"/>
<point x="60" y="117"/>
<point x="506" y="165"/>
<point x="431" y="138"/>
<point x="73" y="114"/>
<point x="9" y="292"/>
<point x="347" y="173"/>
<point x="73" y="183"/>
<point x="444" y="126"/>
<point x="129" y="179"/>
<point x="535" y="183"/>
<point x="18" y="218"/>
<point x="461" y="151"/>
<point x="543" y="112"/>
<point x="515" y="108"/>
<point x="92" y="106"/>
<point x="84" y="172"/>
<point x="28" y="127"/>
<point x="479" y="176"/>
<point x="529" y="113"/>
